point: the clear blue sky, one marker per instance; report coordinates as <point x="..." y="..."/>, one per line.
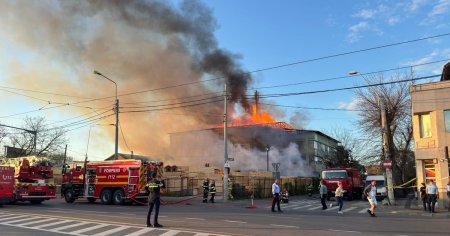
<point x="271" y="33"/>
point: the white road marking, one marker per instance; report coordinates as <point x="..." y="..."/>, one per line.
<point x="234" y="221"/>
<point x="195" y="219"/>
<point x="89" y="228"/>
<point x="12" y="217"/>
<point x="348" y="209"/>
<point x="51" y="224"/>
<point x="141" y="232"/>
<point x="285" y="226"/>
<point x="70" y="226"/>
<point x="170" y="233"/>
<point x="112" y="231"/>
<point x="35" y="222"/>
<point x="363" y="210"/>
<point x="19" y="220"/>
<point x="314" y="208"/>
<point x="289" y="206"/>
<point x="345" y="231"/>
<point x="301" y="207"/>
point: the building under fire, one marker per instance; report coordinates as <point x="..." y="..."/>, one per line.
<point x="252" y="145"/>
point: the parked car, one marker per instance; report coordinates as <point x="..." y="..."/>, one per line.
<point x="380" y="184"/>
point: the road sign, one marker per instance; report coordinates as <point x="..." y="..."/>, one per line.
<point x="276" y="175"/>
<point x="387" y="164"/>
<point x="276" y="166"/>
<point x="227" y="164"/>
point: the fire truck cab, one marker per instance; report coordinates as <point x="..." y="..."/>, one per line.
<point x="350" y="178"/>
<point x="110" y="181"/>
<point x="6" y="184"/>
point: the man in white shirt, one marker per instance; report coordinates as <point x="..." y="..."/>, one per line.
<point x="276" y="196"/>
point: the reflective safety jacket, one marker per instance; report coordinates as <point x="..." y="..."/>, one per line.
<point x="154" y="189"/>
<point x="285" y="195"/>
<point x="212" y="188"/>
<point x="205" y="185"/>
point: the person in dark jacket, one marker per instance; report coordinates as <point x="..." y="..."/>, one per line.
<point x="154" y="186"/>
<point x="423" y="196"/>
<point x="205" y="190"/>
<point x="212" y="190"/>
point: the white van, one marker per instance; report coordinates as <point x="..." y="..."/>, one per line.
<point x="381" y="187"/>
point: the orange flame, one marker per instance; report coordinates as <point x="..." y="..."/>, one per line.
<point x="256" y="117"/>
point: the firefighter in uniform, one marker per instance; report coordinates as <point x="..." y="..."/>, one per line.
<point x="284" y="196"/>
<point x="205" y="190"/>
<point x="154" y="186"/>
<point x="212" y="190"/>
<point x="230" y="189"/>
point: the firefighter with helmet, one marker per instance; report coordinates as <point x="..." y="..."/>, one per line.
<point x="205" y="190"/>
<point x="285" y="196"/>
<point x="154" y="186"/>
<point x="212" y="190"/>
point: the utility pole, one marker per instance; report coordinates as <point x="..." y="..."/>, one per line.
<point x="225" y="142"/>
<point x="65" y="155"/>
<point x="387" y="154"/>
<point x="267" y="159"/>
<point x="116" y="109"/>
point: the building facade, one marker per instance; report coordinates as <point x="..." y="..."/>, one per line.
<point x="430" y="105"/>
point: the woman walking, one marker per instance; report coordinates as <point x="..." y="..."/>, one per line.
<point x="339" y="197"/>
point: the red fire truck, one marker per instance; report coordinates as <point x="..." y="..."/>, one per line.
<point x="34" y="182"/>
<point x="351" y="179"/>
<point x="110" y="181"/>
<point x="6" y="184"/>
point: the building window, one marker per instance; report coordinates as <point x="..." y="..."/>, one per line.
<point x="425" y="125"/>
<point x="447" y="120"/>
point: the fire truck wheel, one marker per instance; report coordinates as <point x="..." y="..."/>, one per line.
<point x="68" y="196"/>
<point x="106" y="196"/>
<point x="91" y="199"/>
<point x="118" y="197"/>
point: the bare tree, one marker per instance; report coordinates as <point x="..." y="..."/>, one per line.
<point x="395" y="99"/>
<point x="48" y="140"/>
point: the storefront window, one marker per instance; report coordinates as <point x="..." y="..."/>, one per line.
<point x="447" y="120"/>
<point x="425" y="125"/>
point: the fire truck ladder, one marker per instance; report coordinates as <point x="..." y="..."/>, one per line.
<point x="133" y="179"/>
<point x="90" y="182"/>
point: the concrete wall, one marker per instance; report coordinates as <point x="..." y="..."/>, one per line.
<point x="432" y="98"/>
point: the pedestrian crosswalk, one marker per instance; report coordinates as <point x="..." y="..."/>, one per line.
<point x="308" y="205"/>
<point x="84" y="227"/>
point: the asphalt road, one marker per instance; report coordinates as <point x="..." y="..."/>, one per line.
<point x="195" y="218"/>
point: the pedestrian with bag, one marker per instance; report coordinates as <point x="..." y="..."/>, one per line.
<point x="323" y="194"/>
<point x="154" y="186"/>
<point x="339" y="195"/>
<point x="423" y="196"/>
<point x="276" y="196"/>
<point x="371" y="192"/>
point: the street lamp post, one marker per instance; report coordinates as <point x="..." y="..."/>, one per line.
<point x="267" y="160"/>
<point x="116" y="149"/>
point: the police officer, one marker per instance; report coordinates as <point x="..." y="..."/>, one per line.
<point x="212" y="190"/>
<point x="154" y="186"/>
<point x="205" y="190"/>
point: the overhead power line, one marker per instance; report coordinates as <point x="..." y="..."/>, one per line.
<point x="168" y="108"/>
<point x="346" y="88"/>
<point x="123" y="137"/>
<point x="311" y="108"/>
<point x="349" y="76"/>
